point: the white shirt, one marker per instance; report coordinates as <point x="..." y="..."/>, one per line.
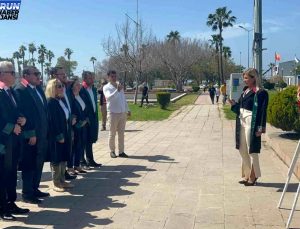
<point x="34" y="88"/>
<point x="116" y="100"/>
<point x="80" y="101"/>
<point x="91" y="93"/>
<point x="63" y="106"/>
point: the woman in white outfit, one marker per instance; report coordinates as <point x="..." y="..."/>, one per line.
<point x="251" y="110"/>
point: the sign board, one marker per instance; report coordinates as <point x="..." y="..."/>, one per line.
<point x="236" y="86"/>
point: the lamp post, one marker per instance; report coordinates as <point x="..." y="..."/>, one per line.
<point x="248" y="30"/>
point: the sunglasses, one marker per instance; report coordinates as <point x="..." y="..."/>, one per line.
<point x="10" y="72"/>
<point x="59" y="86"/>
<point x="37" y="74"/>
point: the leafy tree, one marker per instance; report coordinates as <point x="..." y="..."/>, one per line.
<point x="93" y="59"/>
<point x="66" y="65"/>
<point x="22" y="50"/>
<point x="173" y="36"/>
<point x="32" y="49"/>
<point x="68" y="53"/>
<point x="42" y="51"/>
<point x="218" y="21"/>
<point x="17" y="56"/>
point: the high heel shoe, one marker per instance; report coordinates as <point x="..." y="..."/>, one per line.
<point x="251" y="183"/>
<point x="243" y="181"/>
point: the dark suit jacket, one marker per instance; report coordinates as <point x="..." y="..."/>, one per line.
<point x="93" y="125"/>
<point x="9" y="113"/>
<point x="36" y="115"/>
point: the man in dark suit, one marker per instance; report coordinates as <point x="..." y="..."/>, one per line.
<point x="11" y="122"/>
<point x="89" y="95"/>
<point x="33" y="105"/>
<point x="59" y="73"/>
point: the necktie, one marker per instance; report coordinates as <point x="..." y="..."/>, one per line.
<point x="38" y="95"/>
<point x="11" y="97"/>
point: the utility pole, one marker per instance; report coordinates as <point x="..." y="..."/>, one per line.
<point x="257" y="45"/>
<point x="248" y="30"/>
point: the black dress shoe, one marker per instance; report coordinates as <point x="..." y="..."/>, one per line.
<point x="113" y="155"/>
<point x="251" y="183"/>
<point x="14" y="209"/>
<point x="69" y="177"/>
<point x="7" y="217"/>
<point x="31" y="200"/>
<point x="94" y="164"/>
<point x="123" y="155"/>
<point x="41" y="194"/>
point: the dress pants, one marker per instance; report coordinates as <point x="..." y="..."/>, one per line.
<point x="32" y="178"/>
<point x="117" y="123"/>
<point x="104" y="114"/>
<point x="58" y="173"/>
<point x="249" y="160"/>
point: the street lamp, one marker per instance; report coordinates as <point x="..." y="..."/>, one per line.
<point x="248" y="30"/>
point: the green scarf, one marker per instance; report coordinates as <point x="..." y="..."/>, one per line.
<point x="254" y="115"/>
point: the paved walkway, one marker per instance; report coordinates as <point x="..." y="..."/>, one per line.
<point x="182" y="174"/>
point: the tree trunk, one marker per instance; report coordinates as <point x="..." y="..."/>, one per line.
<point x="179" y="85"/>
<point x="221" y="58"/>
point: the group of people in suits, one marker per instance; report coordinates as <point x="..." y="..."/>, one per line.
<point x="58" y="126"/>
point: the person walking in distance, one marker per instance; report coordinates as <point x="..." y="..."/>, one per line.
<point x="224" y="93"/>
<point x="117" y="108"/>
<point x="217" y="94"/>
<point x="145" y="94"/>
<point x="212" y="92"/>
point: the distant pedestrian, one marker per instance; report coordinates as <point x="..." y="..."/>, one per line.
<point x="223" y="90"/>
<point x="117" y="108"/>
<point x="103" y="106"/>
<point x="145" y="94"/>
<point x="212" y="93"/>
<point x="251" y="110"/>
<point x="217" y="94"/>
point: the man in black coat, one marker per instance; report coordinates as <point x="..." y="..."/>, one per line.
<point x="89" y="95"/>
<point x="59" y="73"/>
<point x="11" y="122"/>
<point x="145" y="94"/>
<point x="33" y="105"/>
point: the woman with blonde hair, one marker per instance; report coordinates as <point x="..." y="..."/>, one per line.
<point x="251" y="110"/>
<point x="59" y="116"/>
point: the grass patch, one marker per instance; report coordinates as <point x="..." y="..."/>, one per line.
<point x="154" y="113"/>
<point x="228" y="113"/>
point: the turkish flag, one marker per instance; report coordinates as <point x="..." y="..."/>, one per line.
<point x="277" y="57"/>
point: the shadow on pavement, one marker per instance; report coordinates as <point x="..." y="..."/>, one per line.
<point x="155" y="158"/>
<point x="291" y="188"/>
<point x="91" y="194"/>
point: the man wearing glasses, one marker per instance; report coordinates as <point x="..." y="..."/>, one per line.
<point x="11" y="123"/>
<point x="33" y="105"/>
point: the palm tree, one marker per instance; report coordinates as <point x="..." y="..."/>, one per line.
<point x="68" y="53"/>
<point x="93" y="59"/>
<point x="22" y="50"/>
<point x="173" y="36"/>
<point x="42" y="51"/>
<point x="50" y="55"/>
<point x="47" y="69"/>
<point x="218" y="21"/>
<point x="17" y="56"/>
<point x="215" y="42"/>
<point x="226" y="52"/>
<point x="32" y="49"/>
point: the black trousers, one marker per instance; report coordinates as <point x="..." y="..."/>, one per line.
<point x="32" y="177"/>
<point x="8" y="173"/>
<point x="144" y="97"/>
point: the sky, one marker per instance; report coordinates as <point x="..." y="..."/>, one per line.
<point x="83" y="25"/>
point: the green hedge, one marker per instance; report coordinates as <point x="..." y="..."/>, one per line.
<point x="283" y="110"/>
<point x="196" y="88"/>
<point x="163" y="98"/>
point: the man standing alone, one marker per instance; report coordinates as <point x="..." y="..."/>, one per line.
<point x="117" y="108"/>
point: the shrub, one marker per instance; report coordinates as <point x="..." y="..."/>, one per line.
<point x="196" y="88"/>
<point x="163" y="98"/>
<point x="282" y="84"/>
<point x="268" y="85"/>
<point x="283" y="110"/>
